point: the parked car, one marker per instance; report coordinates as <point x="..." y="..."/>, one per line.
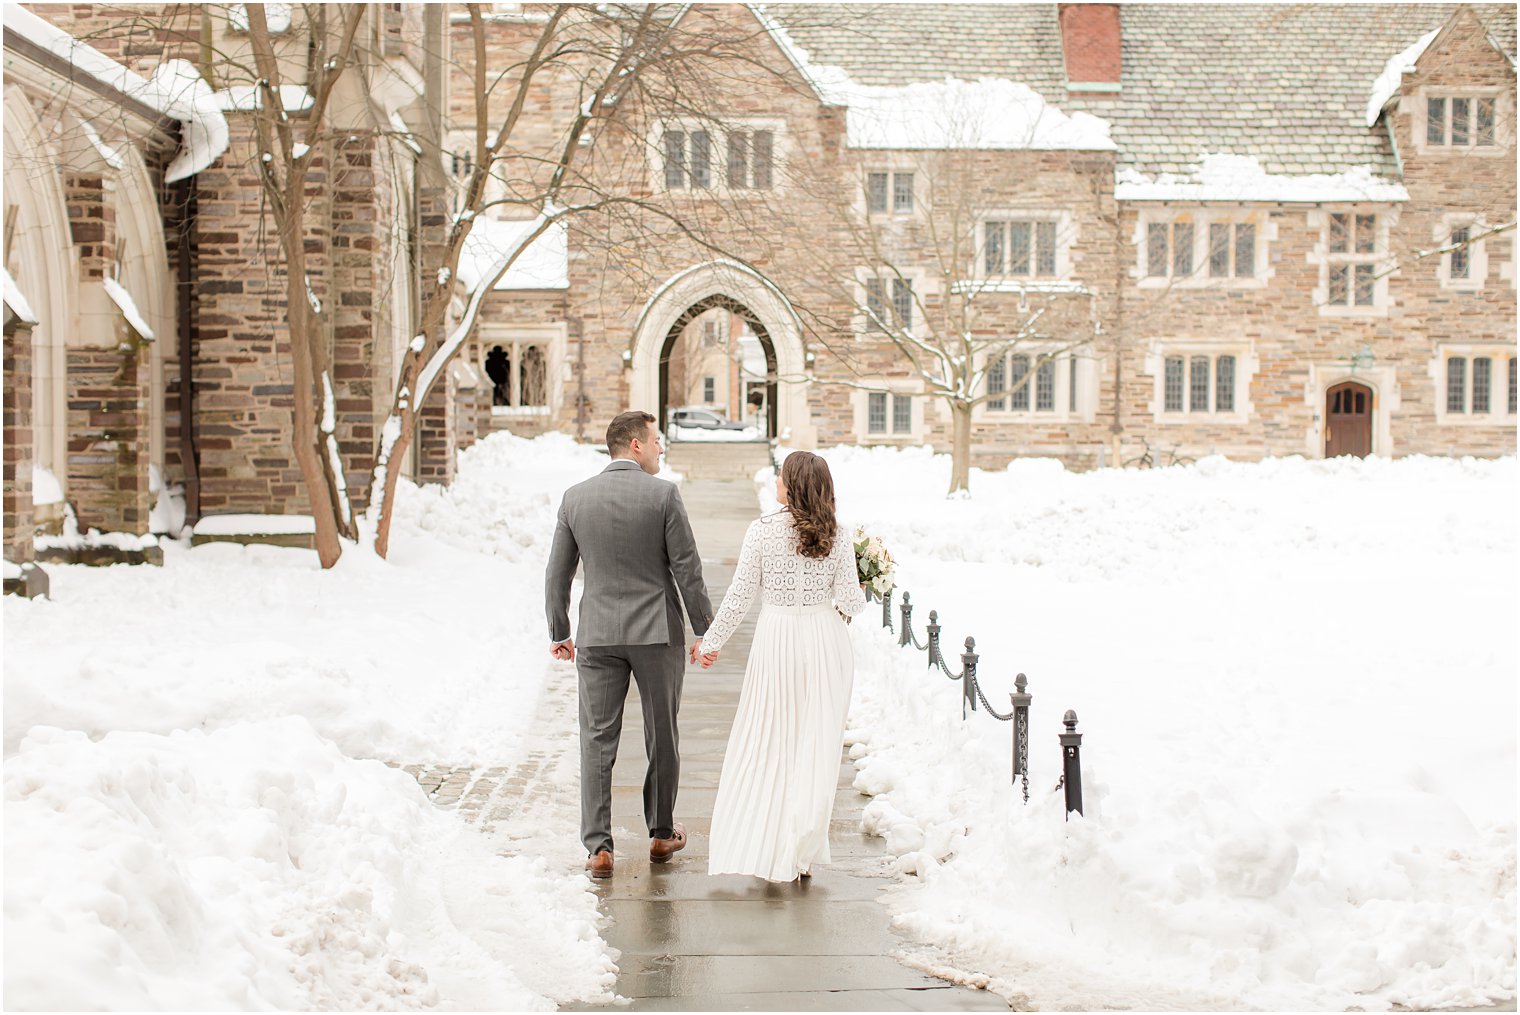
<point x="702" y="419"/>
<point x="695" y="423"/>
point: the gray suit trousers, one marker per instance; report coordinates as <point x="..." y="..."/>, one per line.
<point x="603" y="671"/>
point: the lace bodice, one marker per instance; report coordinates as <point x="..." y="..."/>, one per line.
<point x="770" y="564"/>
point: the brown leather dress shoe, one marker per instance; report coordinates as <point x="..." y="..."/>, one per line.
<point x="600" y="865"/>
<point x="661" y="849"/>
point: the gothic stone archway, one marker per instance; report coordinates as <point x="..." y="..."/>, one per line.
<point x="692" y="313"/>
<point x="746" y="292"/>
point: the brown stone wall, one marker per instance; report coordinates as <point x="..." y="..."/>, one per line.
<point x="18" y="444"/>
<point x="91" y="200"/>
<point x="108" y="445"/>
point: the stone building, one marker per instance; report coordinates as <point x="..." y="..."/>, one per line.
<point x="1243" y="229"/>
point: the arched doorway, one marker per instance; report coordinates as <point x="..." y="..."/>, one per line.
<point x="669" y="398"/>
<point x="1348" y="420"/>
<point x="766" y="311"/>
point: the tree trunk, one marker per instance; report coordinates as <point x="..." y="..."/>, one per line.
<point x="403" y="412"/>
<point x="960" y="447"/>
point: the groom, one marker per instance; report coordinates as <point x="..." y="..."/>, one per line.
<point x="629" y="531"/>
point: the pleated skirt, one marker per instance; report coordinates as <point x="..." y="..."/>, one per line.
<point x="776" y="789"/>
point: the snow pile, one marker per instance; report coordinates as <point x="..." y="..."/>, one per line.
<point x="1391" y="79"/>
<point x="1223" y="177"/>
<point x="697" y="434"/>
<point x="544" y="264"/>
<point x="985" y="113"/>
<point x="45" y="486"/>
<point x="505" y="497"/>
<point x="72" y="539"/>
<point x="255" y="525"/>
<point x="168" y="514"/>
<point x="253" y="867"/>
<point x="1296" y="684"/>
<point x="190" y="823"/>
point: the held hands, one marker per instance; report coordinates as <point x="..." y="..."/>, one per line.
<point x="565" y="651"/>
<point x="706" y="658"/>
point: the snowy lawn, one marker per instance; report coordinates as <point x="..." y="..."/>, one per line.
<point x="197" y="809"/>
<point x="1296" y="681"/>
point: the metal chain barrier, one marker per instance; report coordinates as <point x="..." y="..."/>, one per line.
<point x="972" y="692"/>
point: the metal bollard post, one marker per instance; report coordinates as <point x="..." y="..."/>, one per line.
<point x="1020" y="700"/>
<point x="968" y="678"/>
<point x="933" y="646"/>
<point x="907" y="618"/>
<point x="886" y="610"/>
<point x="1071" y="750"/>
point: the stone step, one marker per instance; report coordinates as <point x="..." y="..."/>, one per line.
<point x="718" y="459"/>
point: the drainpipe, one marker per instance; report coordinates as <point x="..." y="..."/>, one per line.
<point x="184" y="198"/>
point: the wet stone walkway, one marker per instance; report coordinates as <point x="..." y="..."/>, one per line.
<point x="690" y="941"/>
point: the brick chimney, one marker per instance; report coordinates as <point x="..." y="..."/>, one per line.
<point x="1090" y="40"/>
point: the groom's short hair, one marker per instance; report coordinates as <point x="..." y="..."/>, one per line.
<point x="627" y="426"/>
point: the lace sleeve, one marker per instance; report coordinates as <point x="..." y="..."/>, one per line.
<point x="847" y="594"/>
<point x="741" y="593"/>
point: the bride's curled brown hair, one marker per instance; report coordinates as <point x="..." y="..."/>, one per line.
<point x="810" y="497"/>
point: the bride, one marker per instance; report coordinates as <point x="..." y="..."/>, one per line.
<point x="776" y="790"/>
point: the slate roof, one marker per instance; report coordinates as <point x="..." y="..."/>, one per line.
<point x="1287" y="83"/>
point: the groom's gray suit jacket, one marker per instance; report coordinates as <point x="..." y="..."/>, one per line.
<point x="630" y="532"/>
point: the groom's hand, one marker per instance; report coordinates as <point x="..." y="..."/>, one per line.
<point x="563" y="650"/>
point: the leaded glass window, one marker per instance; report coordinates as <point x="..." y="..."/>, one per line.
<point x="1173" y="385"/>
<point x="876" y="412"/>
<point x="992" y="247"/>
<point x="1045" y="248"/>
<point x="902" y="302"/>
<point x="761" y="144"/>
<point x="675" y="159"/>
<point x="1045" y="387"/>
<point x="902" y="192"/>
<point x="1198" y="384"/>
<point x="1018" y="248"/>
<point x="1224" y="384"/>
<point x="876" y="191"/>
<point x="1459" y="109"/>
<point x="1019" y="371"/>
<point x="1155" y="249"/>
<point x="1456" y="384"/>
<point x="902" y="414"/>
<point x="1435" y="121"/>
<point x="738" y="159"/>
<point x="997" y="383"/>
<point x="1461" y="264"/>
<point x="1245" y="250"/>
<point x="1482" y="383"/>
<point x="1483" y="121"/>
<point x="701" y="159"/>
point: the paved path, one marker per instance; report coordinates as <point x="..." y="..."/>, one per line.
<point x="691" y="941"/>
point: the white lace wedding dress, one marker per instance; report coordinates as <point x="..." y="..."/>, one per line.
<point x="776" y="790"/>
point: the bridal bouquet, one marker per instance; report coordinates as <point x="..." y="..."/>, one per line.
<point x="874" y="565"/>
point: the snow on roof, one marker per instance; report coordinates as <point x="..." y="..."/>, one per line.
<point x="176" y="90"/>
<point x="545" y="264"/>
<point x="128" y="307"/>
<point x="1232" y="178"/>
<point x="1387" y="84"/>
<point x="16" y="301"/>
<point x="245" y="98"/>
<point x="952" y="113"/>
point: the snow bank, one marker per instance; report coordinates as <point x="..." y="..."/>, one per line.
<point x="1226" y="178"/>
<point x="1296" y="683"/>
<point x="190" y="818"/>
<point x="255" y="525"/>
<point x="255" y="867"/>
<point x="45" y="486"/>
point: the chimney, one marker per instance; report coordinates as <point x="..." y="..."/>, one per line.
<point x="1090" y="40"/>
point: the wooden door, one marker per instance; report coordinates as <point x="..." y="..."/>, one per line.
<point x="1348" y="420"/>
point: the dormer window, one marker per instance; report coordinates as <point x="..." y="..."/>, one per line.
<point x="1459" y="121"/>
<point x="740" y="157"/>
